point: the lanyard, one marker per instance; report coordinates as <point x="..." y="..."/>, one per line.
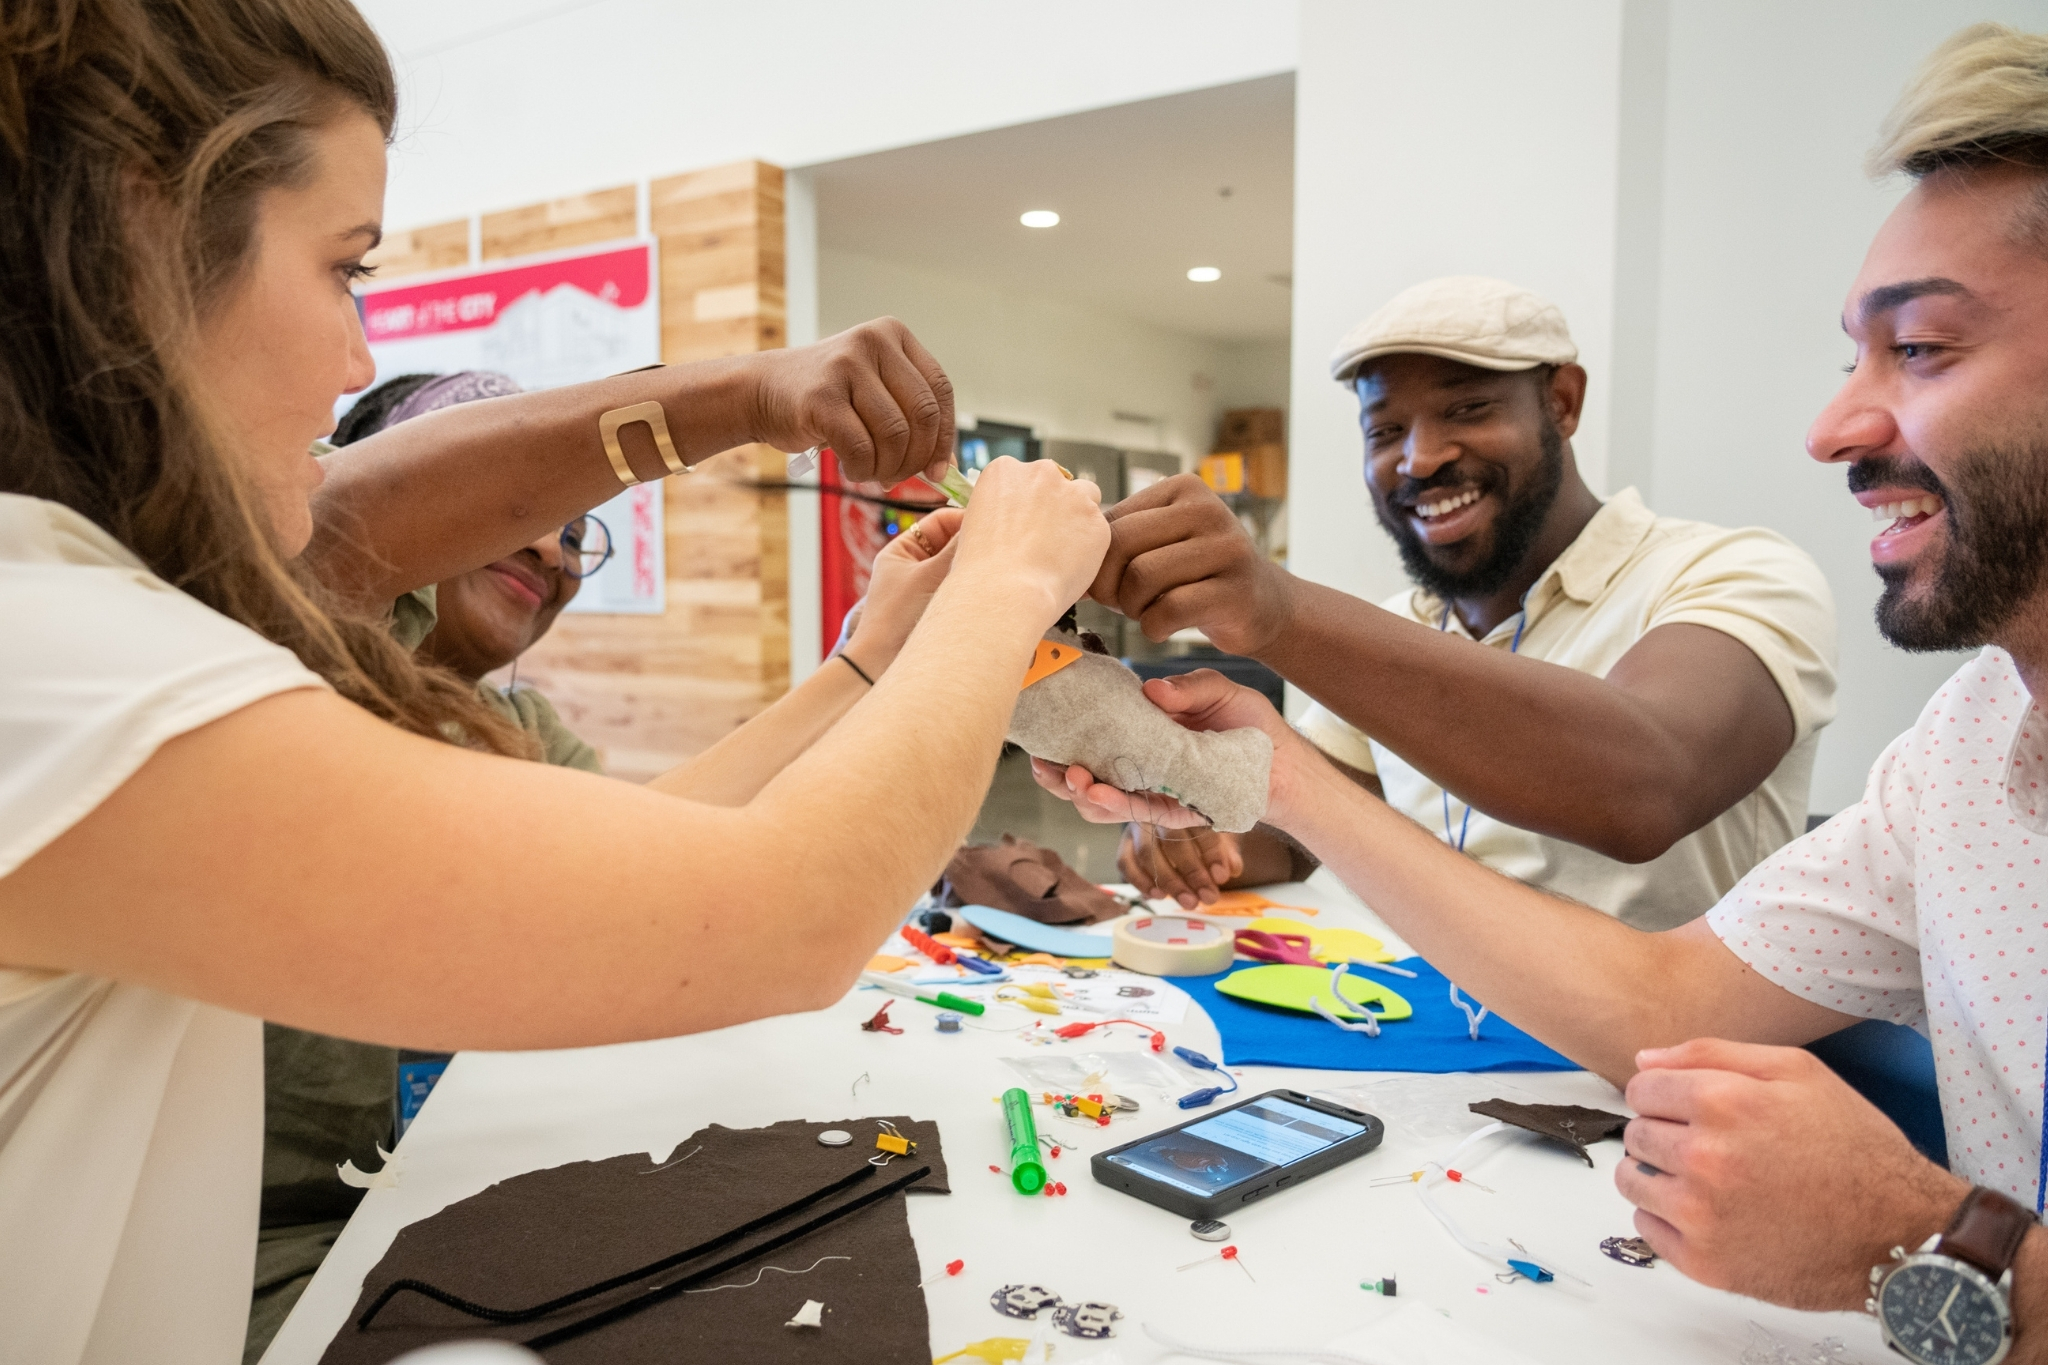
<point x="1465" y="826"/>
<point x="2041" y="1178"/>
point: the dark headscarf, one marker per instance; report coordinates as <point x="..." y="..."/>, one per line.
<point x="412" y="395"/>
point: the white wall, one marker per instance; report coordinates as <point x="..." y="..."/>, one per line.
<point x="1253" y="374"/>
<point x="506" y="102"/>
<point x="1682" y="177"/>
<point x="1766" y="214"/>
<point x="1472" y="138"/>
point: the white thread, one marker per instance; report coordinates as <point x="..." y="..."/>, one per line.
<point x="677" y="1162"/>
<point x="1502" y="1256"/>
<point x="1471" y="1019"/>
<point x="764" y="1270"/>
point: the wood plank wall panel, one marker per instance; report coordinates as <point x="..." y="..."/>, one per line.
<point x="649" y="692"/>
<point x="444" y="246"/>
<point x="559" y="224"/>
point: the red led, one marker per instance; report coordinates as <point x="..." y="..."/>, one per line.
<point x="1055" y="1152"/>
<point x="955" y="1267"/>
<point x="1228" y="1253"/>
<point x="1061" y="1186"/>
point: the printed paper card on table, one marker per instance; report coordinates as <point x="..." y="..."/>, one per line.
<point x="546" y="320"/>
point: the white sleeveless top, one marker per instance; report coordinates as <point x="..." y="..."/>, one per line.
<point x="131" y="1122"/>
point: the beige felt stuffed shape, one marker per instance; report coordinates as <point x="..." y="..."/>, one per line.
<point x="1093" y="712"/>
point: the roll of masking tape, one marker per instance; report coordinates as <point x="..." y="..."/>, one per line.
<point x="1172" y="945"/>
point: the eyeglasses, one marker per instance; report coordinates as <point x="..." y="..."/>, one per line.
<point x="586" y="545"/>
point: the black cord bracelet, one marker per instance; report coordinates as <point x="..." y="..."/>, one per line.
<point x="842" y="655"/>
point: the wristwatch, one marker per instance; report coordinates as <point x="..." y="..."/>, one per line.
<point x="1946" y="1303"/>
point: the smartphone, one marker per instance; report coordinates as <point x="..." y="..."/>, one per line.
<point x="1207" y="1166"/>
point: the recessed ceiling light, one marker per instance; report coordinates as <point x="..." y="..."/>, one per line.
<point x="1205" y="274"/>
<point x="1039" y="218"/>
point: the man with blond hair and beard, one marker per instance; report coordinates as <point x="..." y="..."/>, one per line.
<point x="1753" y="1167"/>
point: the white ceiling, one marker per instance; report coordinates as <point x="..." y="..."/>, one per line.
<point x="1140" y="193"/>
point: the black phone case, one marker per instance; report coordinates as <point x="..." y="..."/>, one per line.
<point x="1194" y="1206"/>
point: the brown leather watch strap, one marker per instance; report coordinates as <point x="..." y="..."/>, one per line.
<point x="1986" y="1231"/>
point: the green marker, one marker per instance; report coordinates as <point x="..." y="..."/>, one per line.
<point x="945" y="1000"/>
<point x="1025" y="1172"/>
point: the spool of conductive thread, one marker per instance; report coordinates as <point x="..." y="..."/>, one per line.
<point x="1025" y="1172"/>
<point x="1172" y="945"/>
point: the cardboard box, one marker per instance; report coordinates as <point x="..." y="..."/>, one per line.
<point x="1265" y="470"/>
<point x="1243" y="427"/>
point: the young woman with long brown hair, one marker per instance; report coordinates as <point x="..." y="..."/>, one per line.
<point x="225" y="795"/>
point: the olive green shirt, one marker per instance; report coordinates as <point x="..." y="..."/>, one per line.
<point x="330" y="1100"/>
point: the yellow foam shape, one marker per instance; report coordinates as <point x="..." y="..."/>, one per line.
<point x="994" y="1351"/>
<point x="1297" y="988"/>
<point x="1330" y="945"/>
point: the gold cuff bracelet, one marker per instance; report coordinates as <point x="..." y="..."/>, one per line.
<point x="650" y="412"/>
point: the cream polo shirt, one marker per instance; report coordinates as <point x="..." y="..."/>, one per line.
<point x="1923" y="904"/>
<point x="1629" y="572"/>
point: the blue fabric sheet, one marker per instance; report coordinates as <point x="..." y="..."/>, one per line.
<point x="1436" y="1039"/>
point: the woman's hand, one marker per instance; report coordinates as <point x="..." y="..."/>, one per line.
<point x="1202" y="700"/>
<point x="873" y="393"/>
<point x="1032" y="527"/>
<point x="906" y="574"/>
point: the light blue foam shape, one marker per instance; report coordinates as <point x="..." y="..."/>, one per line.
<point x="1030" y="935"/>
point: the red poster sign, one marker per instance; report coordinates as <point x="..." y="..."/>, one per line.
<point x="475" y="300"/>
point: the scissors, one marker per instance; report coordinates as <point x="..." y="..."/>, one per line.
<point x="1298" y="950"/>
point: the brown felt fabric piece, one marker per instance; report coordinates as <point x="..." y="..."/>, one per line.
<point x="1576" y="1126"/>
<point x="1018" y="876"/>
<point x="545" y="1233"/>
<point x="1093" y="712"/>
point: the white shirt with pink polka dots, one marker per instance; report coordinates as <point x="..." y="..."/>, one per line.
<point x="1927" y="904"/>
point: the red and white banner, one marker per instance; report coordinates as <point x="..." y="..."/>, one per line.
<point x="548" y="320"/>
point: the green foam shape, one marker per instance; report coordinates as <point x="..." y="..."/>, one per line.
<point x="1294" y="988"/>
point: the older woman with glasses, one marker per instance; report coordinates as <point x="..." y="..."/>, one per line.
<point x="475" y="623"/>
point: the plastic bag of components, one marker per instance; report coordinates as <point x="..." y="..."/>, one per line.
<point x="1087" y="1073"/>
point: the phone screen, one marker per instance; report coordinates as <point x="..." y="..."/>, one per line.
<point x="1236" y="1145"/>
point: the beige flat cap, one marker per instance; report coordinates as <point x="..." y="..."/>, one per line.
<point x="1468" y="318"/>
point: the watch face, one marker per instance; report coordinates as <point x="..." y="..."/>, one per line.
<point x="1937" y="1312"/>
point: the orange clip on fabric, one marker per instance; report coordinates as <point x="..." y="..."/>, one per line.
<point x="1052" y="656"/>
<point x="889" y="1142"/>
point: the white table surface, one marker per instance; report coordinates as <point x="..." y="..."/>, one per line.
<point x="496" y="1115"/>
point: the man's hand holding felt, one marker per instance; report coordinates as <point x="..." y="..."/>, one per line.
<point x="1202" y="700"/>
<point x="1178" y="557"/>
<point x="872" y="393"/>
<point x="1773" y="1178"/>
